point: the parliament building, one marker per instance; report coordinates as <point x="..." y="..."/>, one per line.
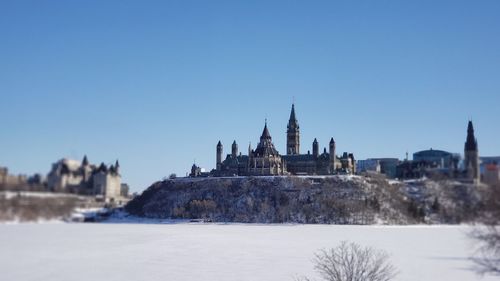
<point x="265" y="160"/>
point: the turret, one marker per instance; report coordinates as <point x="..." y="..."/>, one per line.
<point x="112" y="169"/>
<point x="234" y="150"/>
<point x="86" y="169"/>
<point x="85" y="161"/>
<point x="117" y="166"/>
<point x="293" y="134"/>
<point x="102" y="168"/>
<point x="332" y="155"/>
<point x="353" y="163"/>
<point x="315" y="148"/>
<point x="266" y="146"/>
<point x="195" y="171"/>
<point x="219" y="156"/>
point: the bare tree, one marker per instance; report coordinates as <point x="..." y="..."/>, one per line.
<point x="352" y="262"/>
<point x="487" y="257"/>
<point x="487" y="235"/>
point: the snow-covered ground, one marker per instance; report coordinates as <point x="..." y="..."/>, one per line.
<point x="37" y="194"/>
<point x="218" y="252"/>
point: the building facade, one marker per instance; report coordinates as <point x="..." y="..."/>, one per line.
<point x="72" y="176"/>
<point x="485" y="166"/>
<point x="491" y="174"/>
<point x="8" y="180"/>
<point x="445" y="164"/>
<point x="438" y="158"/>
<point x="368" y="165"/>
<point x="265" y="160"/>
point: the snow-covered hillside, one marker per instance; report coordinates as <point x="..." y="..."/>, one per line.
<point x="219" y="252"/>
<point x="333" y="199"/>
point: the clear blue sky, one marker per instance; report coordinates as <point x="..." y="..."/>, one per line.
<point x="157" y="83"/>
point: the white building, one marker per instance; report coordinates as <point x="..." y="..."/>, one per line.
<point x="107" y="183"/>
<point x="69" y="175"/>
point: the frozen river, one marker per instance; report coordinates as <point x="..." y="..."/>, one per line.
<point x="65" y="252"/>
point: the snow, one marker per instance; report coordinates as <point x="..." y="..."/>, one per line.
<point x="219" y="252"/>
<point x="37" y="194"/>
<point x="340" y="177"/>
<point x="38" y="221"/>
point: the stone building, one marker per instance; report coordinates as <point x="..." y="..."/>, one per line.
<point x="266" y="160"/>
<point x="437" y="162"/>
<point x="72" y="176"/>
<point x="471" y="155"/>
<point x="491" y="174"/>
<point x="107" y="182"/>
<point x="68" y="175"/>
<point x="9" y="181"/>
<point x="487" y="166"/>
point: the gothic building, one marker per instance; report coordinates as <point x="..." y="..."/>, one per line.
<point x="471" y="155"/>
<point x="73" y="176"/>
<point x="292" y="134"/>
<point x="437" y="162"/>
<point x="266" y="160"/>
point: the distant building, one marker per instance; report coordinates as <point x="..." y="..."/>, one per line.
<point x="72" y="176"/>
<point x="486" y="160"/>
<point x="197" y="171"/>
<point x="106" y="183"/>
<point x="124" y="190"/>
<point x="491" y="175"/>
<point x="471" y="155"/>
<point x="385" y="166"/>
<point x="368" y="165"/>
<point x="266" y="160"/>
<point x="388" y="166"/>
<point x="429" y="163"/>
<point x="438" y="162"/>
<point x="438" y="158"/>
<point x="489" y="160"/>
<point x="68" y="175"/>
<point x="3" y="174"/>
<point x="10" y="181"/>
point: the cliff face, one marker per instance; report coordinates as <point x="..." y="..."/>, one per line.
<point x="340" y="199"/>
<point x="336" y="200"/>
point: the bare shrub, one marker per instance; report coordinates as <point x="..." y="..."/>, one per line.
<point x="201" y="208"/>
<point x="352" y="262"/>
<point x="487" y="257"/>
<point x="487" y="235"/>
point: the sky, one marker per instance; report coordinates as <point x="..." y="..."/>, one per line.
<point x="156" y="84"/>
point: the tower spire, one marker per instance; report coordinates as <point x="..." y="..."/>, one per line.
<point x="471" y="154"/>
<point x="333" y="157"/>
<point x="293" y="119"/>
<point x="219" y="150"/>
<point x="265" y="132"/>
<point x="471" y="142"/>
<point x="234" y="149"/>
<point x="293" y="134"/>
<point x="85" y="161"/>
